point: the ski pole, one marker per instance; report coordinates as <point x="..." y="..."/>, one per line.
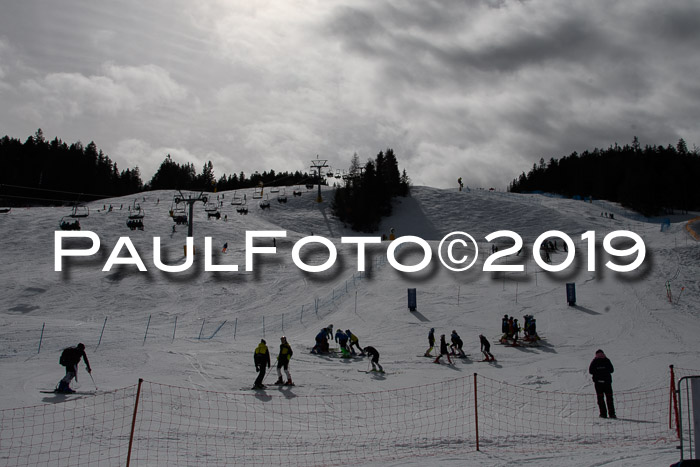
<point x="93" y="380"/>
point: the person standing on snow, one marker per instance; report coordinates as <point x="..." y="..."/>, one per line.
<point x="486" y="348"/>
<point x="443" y="350"/>
<point x="372" y="352"/>
<point x="354" y="342"/>
<point x="431" y="341"/>
<point x="283" y="362"/>
<point x="601" y="368"/>
<point x="262" y="362"/>
<point x="70" y="357"/>
<point x="457" y="344"/>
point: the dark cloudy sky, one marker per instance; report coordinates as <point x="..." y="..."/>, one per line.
<point x="478" y="89"/>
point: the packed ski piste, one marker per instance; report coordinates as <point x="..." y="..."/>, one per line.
<point x="279" y="332"/>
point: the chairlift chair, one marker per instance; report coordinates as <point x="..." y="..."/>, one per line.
<point x="329" y="174"/>
<point x="236" y="201"/>
<point x="69" y="223"/>
<point x="274" y="189"/>
<point x="282" y="198"/>
<point x="265" y="204"/>
<point x="212" y="210"/>
<point x="80" y="211"/>
<point x="243" y="209"/>
<point x="135" y="223"/>
<point x="258" y="193"/>
<point x="297" y="191"/>
<point x="139" y="214"/>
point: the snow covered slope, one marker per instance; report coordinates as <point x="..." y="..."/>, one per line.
<point x="626" y="314"/>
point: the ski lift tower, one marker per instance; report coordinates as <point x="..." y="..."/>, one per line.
<point x="190" y="202"/>
<point x="318" y="165"/>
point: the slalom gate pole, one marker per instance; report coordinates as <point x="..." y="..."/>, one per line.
<point x="679" y="295"/>
<point x="146" y="334"/>
<point x="41" y="338"/>
<point x="202" y="328"/>
<point x="102" y="332"/>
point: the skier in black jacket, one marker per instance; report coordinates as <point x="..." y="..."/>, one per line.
<point x="372" y="352"/>
<point x="262" y="362"/>
<point x="443" y="350"/>
<point x="70" y="357"/>
<point x="602" y="368"/>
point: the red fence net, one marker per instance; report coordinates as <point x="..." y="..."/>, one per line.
<point x="184" y="426"/>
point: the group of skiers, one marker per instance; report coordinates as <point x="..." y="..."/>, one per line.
<point x="600" y="368"/>
<point x="455" y="347"/>
<point x="346" y="340"/>
<point x="261" y="358"/>
<point x="510" y="329"/>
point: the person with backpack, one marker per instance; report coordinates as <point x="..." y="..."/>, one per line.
<point x="262" y="362"/>
<point x="443" y="350"/>
<point x="283" y="362"/>
<point x="70" y="357"/>
<point x="431" y="341"/>
<point x="601" y="368"/>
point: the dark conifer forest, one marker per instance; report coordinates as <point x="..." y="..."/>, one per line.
<point x="40" y="172"/>
<point x="651" y="180"/>
<point x="368" y="191"/>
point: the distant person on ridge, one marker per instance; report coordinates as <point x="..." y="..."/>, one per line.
<point x="261" y="358"/>
<point x="70" y="357"/>
<point x="601" y="368"/>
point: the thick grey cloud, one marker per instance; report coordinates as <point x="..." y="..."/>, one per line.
<point x="480" y="89"/>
